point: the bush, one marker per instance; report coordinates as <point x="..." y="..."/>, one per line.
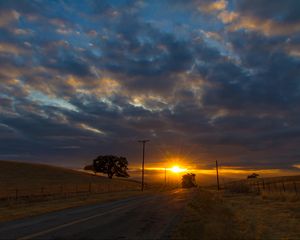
<point x="189" y="180"/>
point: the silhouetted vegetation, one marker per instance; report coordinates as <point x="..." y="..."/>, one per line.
<point x="110" y="165"/>
<point x="189" y="180"/>
<point x="253" y="175"/>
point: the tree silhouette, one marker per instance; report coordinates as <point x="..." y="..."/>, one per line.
<point x="253" y="175"/>
<point x="188" y="180"/>
<point x="111" y="165"/>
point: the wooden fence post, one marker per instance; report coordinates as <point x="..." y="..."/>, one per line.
<point x="263" y="182"/>
<point x="280" y="190"/>
<point x="295" y="187"/>
<point x="275" y="187"/>
<point x="17" y="194"/>
<point x="283" y="187"/>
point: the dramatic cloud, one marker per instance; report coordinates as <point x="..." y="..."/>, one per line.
<point x="202" y="79"/>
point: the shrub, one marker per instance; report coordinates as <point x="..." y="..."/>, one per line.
<point x="189" y="180"/>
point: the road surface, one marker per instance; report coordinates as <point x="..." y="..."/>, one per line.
<point x="150" y="216"/>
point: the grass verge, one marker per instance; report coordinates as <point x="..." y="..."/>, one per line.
<point x="213" y="215"/>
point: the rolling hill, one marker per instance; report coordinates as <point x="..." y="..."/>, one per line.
<point x="29" y="175"/>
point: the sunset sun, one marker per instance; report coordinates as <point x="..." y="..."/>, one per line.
<point x="177" y="169"/>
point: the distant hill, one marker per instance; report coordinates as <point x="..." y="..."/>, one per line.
<point x="274" y="179"/>
<point x="266" y="181"/>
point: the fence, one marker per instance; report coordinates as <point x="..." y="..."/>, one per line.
<point x="65" y="190"/>
<point x="265" y="185"/>
<point x="277" y="186"/>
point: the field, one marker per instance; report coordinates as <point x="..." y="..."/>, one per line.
<point x="21" y="180"/>
<point x="29" y="189"/>
<point x="266" y="208"/>
<point x="27" y="175"/>
<point x="221" y="215"/>
<point x="271" y="185"/>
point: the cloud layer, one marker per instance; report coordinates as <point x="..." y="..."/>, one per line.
<point x="202" y="79"/>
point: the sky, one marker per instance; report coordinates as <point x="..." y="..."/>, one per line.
<point x="203" y="80"/>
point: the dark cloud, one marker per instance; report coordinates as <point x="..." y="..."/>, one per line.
<point x="287" y="11"/>
<point x="144" y="57"/>
<point x="70" y="65"/>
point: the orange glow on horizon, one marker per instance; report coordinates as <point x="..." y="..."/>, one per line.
<point x="174" y="169"/>
<point x="229" y="172"/>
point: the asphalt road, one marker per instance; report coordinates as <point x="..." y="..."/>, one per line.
<point x="144" y="217"/>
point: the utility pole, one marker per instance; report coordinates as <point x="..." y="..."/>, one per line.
<point x="165" y="176"/>
<point x="217" y="175"/>
<point x="143" y="163"/>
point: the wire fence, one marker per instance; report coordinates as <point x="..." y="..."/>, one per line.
<point x="65" y="190"/>
<point x="278" y="186"/>
<point x="264" y="185"/>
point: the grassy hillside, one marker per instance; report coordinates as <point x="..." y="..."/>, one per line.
<point x="30" y="189"/>
<point x="276" y="179"/>
<point x="27" y="175"/>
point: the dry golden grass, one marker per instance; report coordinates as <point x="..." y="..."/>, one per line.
<point x="266" y="218"/>
<point x="27" y="175"/>
<point x="213" y="215"/>
<point x="280" y="196"/>
<point x="277" y="179"/>
<point x="34" y="179"/>
<point x="207" y="217"/>
<point x="295" y="178"/>
<point x="277" y="187"/>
